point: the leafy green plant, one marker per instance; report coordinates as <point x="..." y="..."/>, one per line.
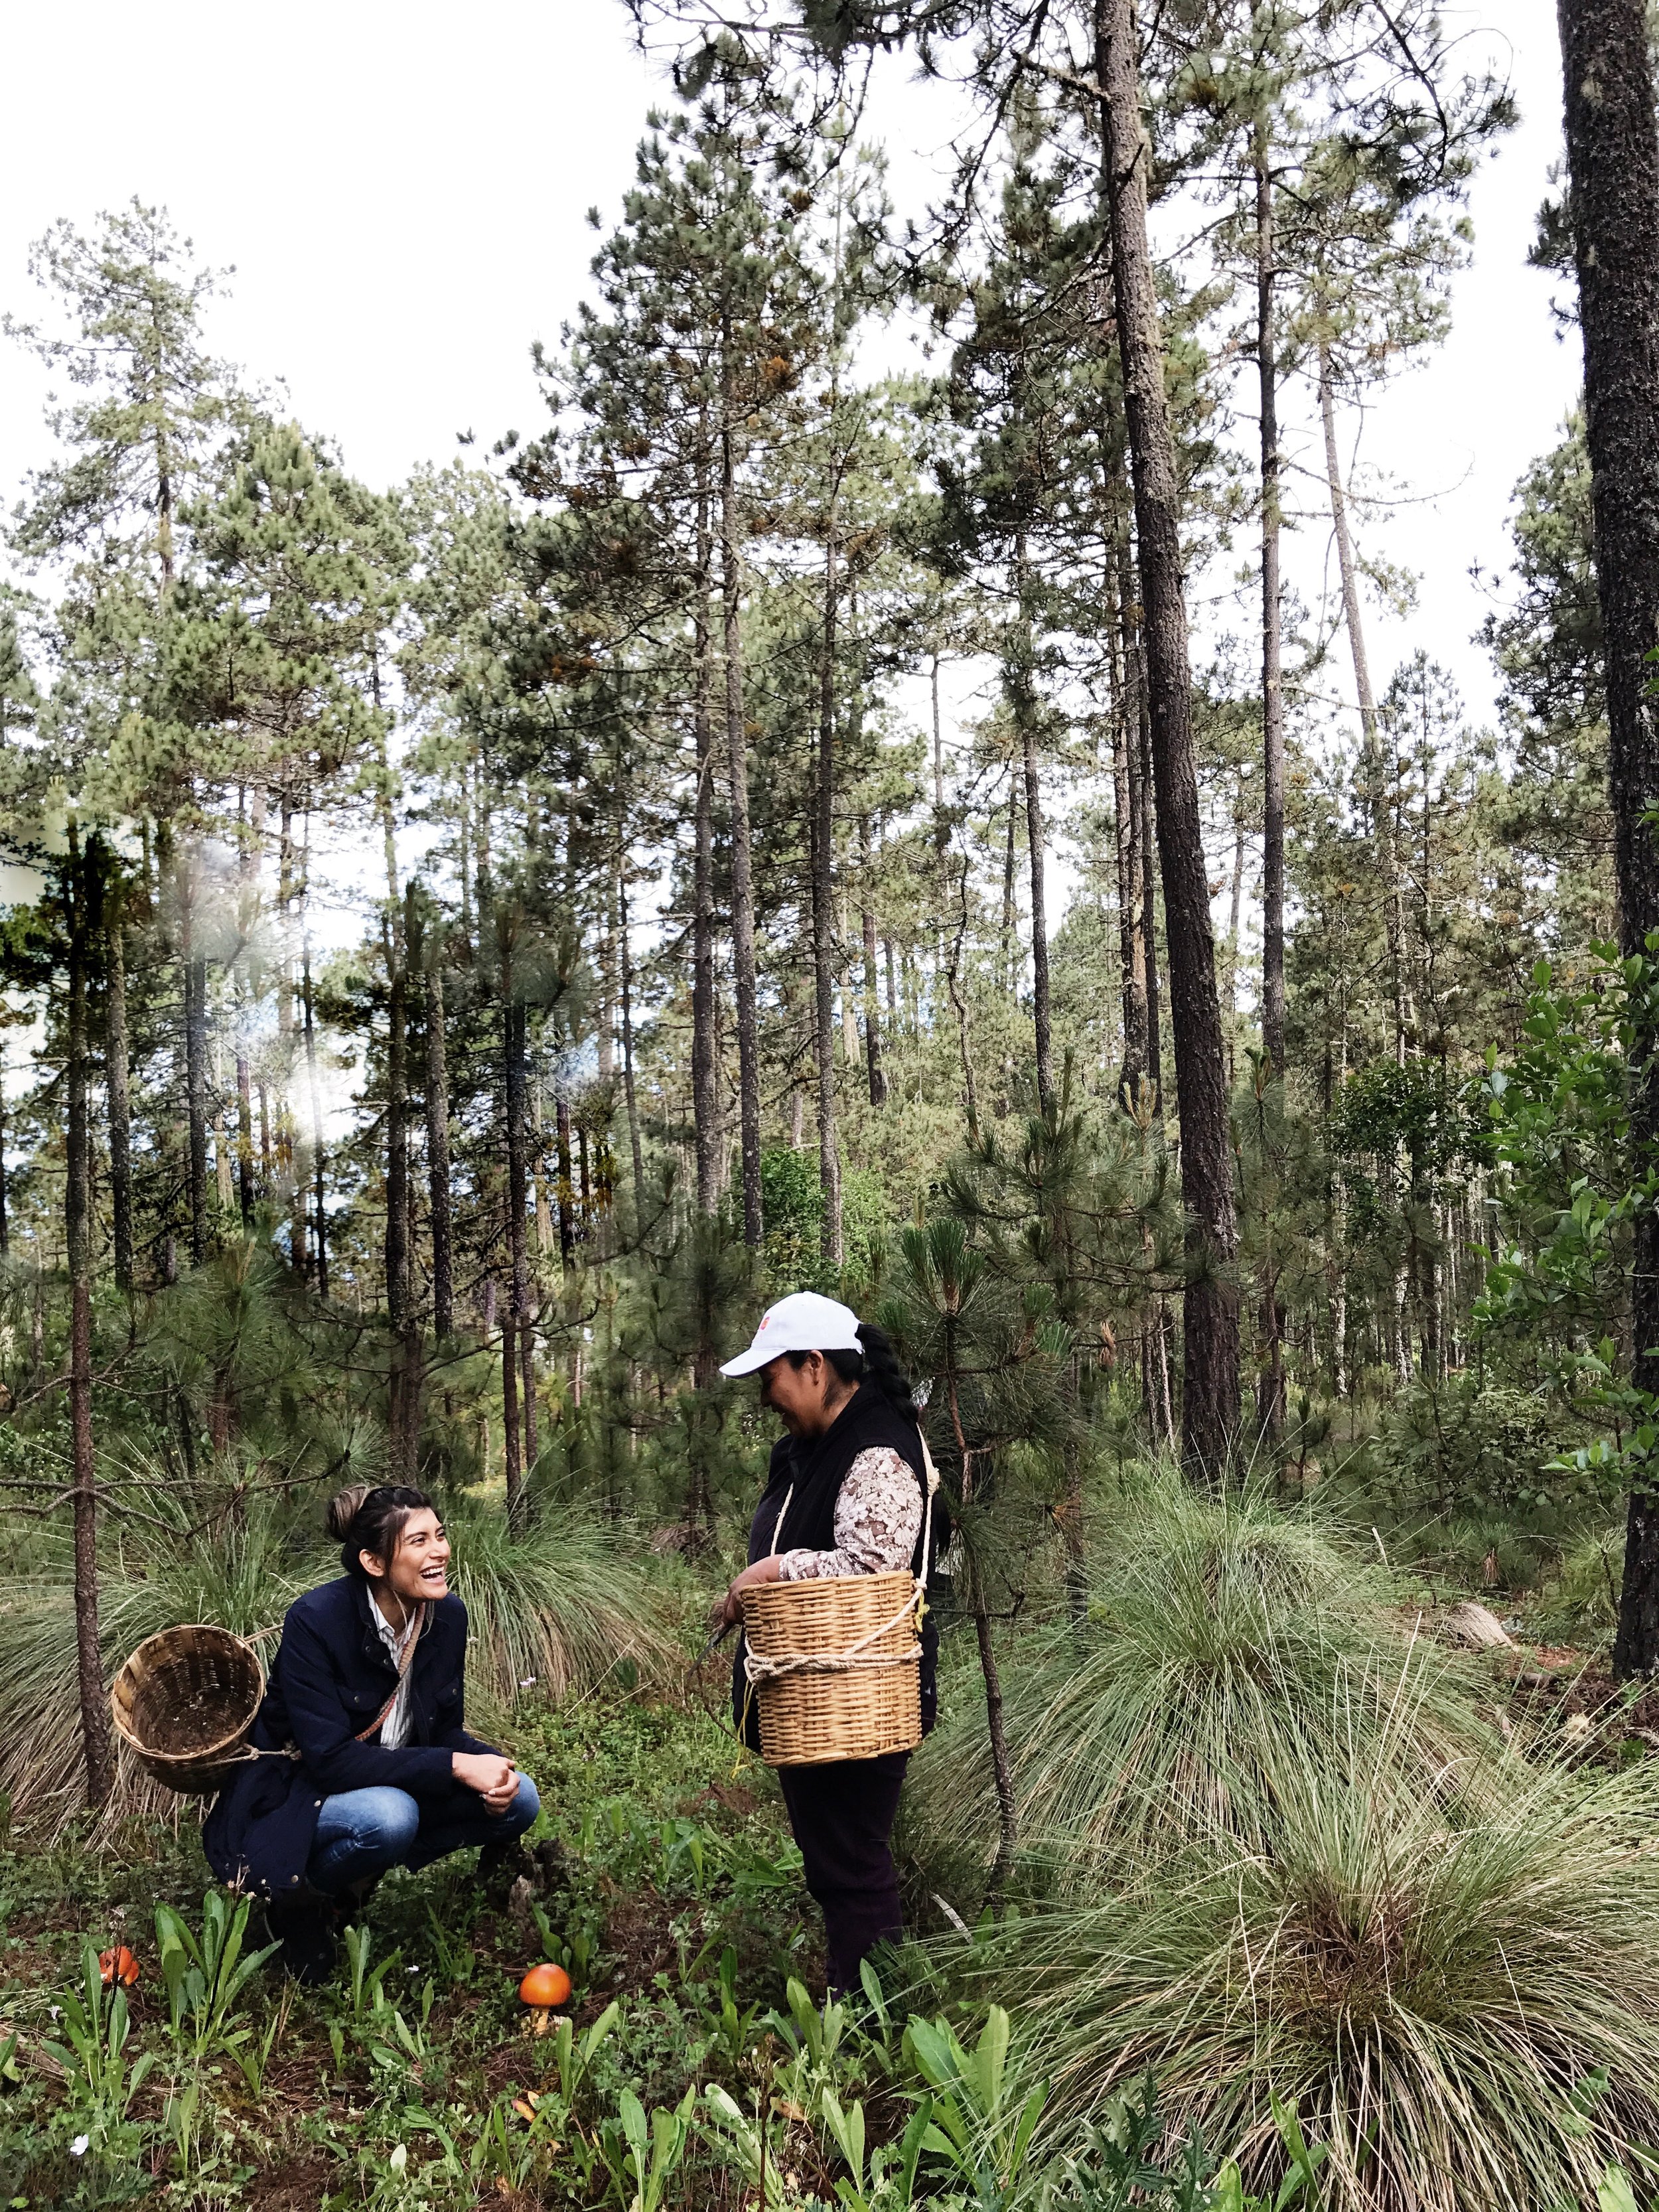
<point x="1121" y="2166"/>
<point x="644" y="2153"/>
<point x="101" y="2081"/>
<point x="888" y="2182"/>
<point x="981" y="2128"/>
<point x="205" y="1977"/>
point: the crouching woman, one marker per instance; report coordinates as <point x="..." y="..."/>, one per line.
<point x="367" y="1696"/>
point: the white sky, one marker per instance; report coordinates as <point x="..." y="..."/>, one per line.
<point x="403" y="190"/>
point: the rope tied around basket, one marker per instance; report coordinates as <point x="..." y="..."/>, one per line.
<point x="759" y="1668"/>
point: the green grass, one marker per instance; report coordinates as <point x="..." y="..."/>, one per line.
<point x="1461" y="2001"/>
<point x="1220" y="1634"/>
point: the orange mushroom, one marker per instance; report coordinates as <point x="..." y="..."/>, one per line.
<point x="542" y="1988"/>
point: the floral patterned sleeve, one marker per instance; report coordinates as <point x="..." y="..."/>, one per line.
<point x="878" y="1520"/>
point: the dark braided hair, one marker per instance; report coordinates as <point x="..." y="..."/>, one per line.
<point x="876" y="1363"/>
<point x="372" y="1520"/>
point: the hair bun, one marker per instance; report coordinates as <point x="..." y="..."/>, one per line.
<point x="344" y="1509"/>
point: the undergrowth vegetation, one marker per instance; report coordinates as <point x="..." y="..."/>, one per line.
<point x="1310" y="1911"/>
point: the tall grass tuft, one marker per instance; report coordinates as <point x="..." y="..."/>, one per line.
<point x="1461" y="2010"/>
<point x="558" y="1606"/>
<point x="1219" y="1633"/>
<point x="556" y="1609"/>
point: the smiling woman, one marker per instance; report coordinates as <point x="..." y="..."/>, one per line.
<point x="367" y="1699"/>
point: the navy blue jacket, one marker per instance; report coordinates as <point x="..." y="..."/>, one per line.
<point x="330" y="1677"/>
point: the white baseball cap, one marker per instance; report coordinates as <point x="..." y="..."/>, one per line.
<point x="803" y="1321"/>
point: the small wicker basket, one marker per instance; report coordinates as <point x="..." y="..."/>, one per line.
<point x="184" y="1704"/>
<point x="836" y="1666"/>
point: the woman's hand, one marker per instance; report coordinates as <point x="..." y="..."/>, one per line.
<point x="727" y="1611"/>
<point x="495" y="1778"/>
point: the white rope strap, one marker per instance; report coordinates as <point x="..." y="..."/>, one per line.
<point x="759" y="1668"/>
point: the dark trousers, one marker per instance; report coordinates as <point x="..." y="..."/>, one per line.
<point x="843" y="1816"/>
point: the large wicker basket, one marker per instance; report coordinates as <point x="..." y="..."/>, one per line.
<point x="184" y="1704"/>
<point x="870" y="1703"/>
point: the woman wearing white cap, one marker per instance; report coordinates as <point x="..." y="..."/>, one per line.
<point x="844" y="1493"/>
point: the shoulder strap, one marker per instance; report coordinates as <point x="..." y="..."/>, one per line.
<point x="381" y="1717"/>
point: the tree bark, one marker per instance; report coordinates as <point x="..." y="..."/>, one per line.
<point x="1026" y="715"/>
<point x="1002" y="1770"/>
<point x="513" y="1018"/>
<point x="1272" y="689"/>
<point x="1210" y="1399"/>
<point x="89" y="1658"/>
<point x="117" y="1086"/>
<point x="823" y="926"/>
<point x="319" y="1154"/>
<point x="872" y="982"/>
<point x="705" y="1079"/>
<point x="1613" y="161"/>
<point x="397" y="1253"/>
<point x="743" y="898"/>
<point x="437" y="1147"/>
<point x="194" y="981"/>
<point x="628" y="1053"/>
<point x="1376" y="779"/>
<point x="5" y="1230"/>
<point x="1148" y="816"/>
<point x="1131" y="873"/>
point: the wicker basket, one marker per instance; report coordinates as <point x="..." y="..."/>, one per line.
<point x="809" y="1717"/>
<point x="184" y="1704"/>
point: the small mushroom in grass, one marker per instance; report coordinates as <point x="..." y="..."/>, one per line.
<point x="117" y="1965"/>
<point x="541" y="1989"/>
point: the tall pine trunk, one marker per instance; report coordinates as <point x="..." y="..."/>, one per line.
<point x="705" y="1074"/>
<point x="1370" y="737"/>
<point x="742" y="896"/>
<point x="1613" y="161"/>
<point x="824" y="928"/>
<point x="194" y="966"/>
<point x="1026" y="715"/>
<point x="871" y="981"/>
<point x="89" y="1658"/>
<point x="397" y="1252"/>
<point x="1210" y="1396"/>
<point x="117" y="1086"/>
<point x="319" y="1153"/>
<point x="437" y="1146"/>
<point x="518" y="1294"/>
<point x="628" y="1093"/>
<point x="1272" y="689"/>
<point x="1127" y="811"/>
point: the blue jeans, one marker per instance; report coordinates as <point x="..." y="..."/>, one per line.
<point x="361" y="1833"/>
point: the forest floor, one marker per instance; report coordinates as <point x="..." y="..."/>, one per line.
<point x="669" y="1888"/>
<point x="675" y="1890"/>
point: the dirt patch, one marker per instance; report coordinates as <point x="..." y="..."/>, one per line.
<point x="639" y="1937"/>
<point x="298" y="2185"/>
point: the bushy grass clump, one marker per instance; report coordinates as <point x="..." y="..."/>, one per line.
<point x="552" y="1611"/>
<point x="1462" y="2008"/>
<point x="1220" y="1635"/>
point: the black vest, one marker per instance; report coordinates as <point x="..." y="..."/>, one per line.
<point x="816" y="1467"/>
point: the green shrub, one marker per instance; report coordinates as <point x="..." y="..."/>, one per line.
<point x="1219" y="1633"/>
<point x="1460" y="2007"/>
